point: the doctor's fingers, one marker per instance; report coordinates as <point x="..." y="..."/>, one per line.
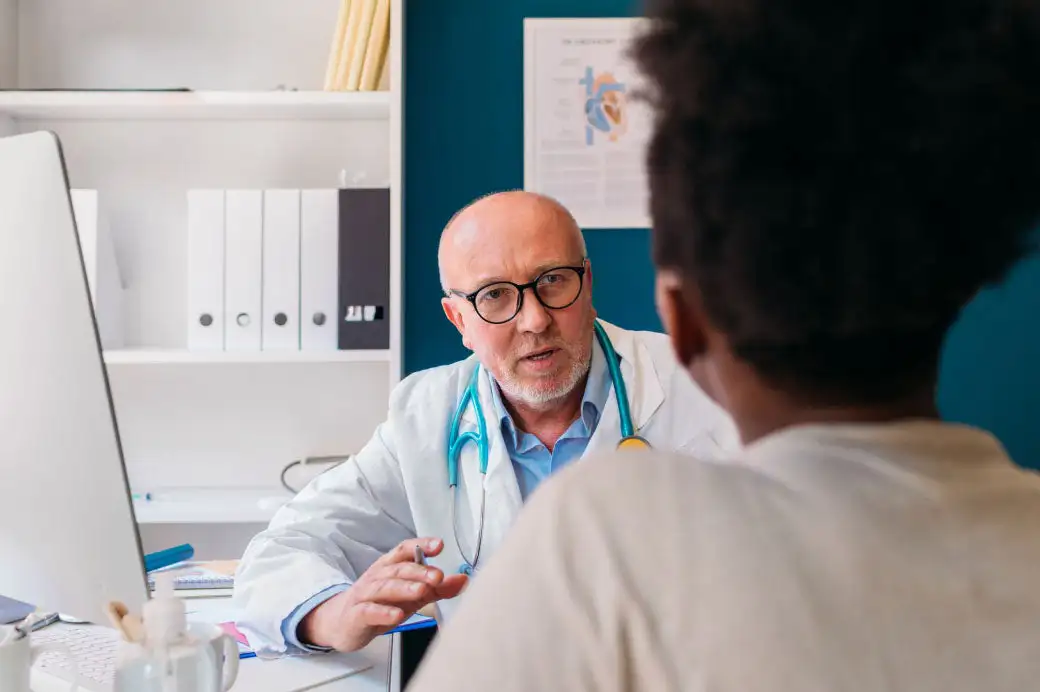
<point x="413" y="571"/>
<point x="452" y="586"/>
<point x="405" y="550"/>
<point x="381" y="617"/>
<point x="393" y="591"/>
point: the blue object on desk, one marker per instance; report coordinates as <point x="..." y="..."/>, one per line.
<point x="416" y="622"/>
<point x="12" y="610"/>
<point x="165" y="558"/>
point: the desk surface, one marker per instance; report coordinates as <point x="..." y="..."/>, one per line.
<point x="374" y="679"/>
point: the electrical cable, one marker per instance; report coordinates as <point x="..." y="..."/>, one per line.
<point x="334" y="460"/>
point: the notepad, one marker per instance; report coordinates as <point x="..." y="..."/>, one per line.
<point x="200" y="575"/>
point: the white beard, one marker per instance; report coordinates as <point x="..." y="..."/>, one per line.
<point x="536" y="396"/>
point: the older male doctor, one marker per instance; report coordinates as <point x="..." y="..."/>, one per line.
<point x="546" y="384"/>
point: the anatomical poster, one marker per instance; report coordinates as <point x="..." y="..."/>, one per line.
<point x="585" y="130"/>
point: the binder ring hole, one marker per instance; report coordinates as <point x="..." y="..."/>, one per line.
<point x="319" y="318"/>
<point x="280" y="319"/>
<point x="206" y="319"/>
<point x="242" y="319"/>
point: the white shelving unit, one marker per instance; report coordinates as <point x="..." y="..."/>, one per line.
<point x="202" y="505"/>
<point x="146" y="356"/>
<point x="149" y="99"/>
<point x="196" y="105"/>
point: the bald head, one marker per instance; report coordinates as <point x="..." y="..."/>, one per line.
<point x="540" y="352"/>
<point x="503" y="223"/>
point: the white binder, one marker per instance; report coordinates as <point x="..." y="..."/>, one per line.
<point x="281" y="274"/>
<point x="243" y="262"/>
<point x="205" y="270"/>
<point x="319" y="270"/>
<point x="99" y="261"/>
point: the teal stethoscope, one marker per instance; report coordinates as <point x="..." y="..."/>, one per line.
<point x="457" y="440"/>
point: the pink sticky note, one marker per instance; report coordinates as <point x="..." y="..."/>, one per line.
<point x="229" y="628"/>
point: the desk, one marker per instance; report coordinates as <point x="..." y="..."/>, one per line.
<point x="372" y="680"/>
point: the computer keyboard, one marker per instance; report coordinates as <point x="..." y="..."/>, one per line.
<point x="94" y="648"/>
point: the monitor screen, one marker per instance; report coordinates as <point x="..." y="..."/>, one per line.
<point x="407" y="651"/>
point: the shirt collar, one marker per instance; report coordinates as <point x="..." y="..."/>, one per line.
<point x="597" y="391"/>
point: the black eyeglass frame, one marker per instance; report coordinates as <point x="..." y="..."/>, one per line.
<point x="522" y="290"/>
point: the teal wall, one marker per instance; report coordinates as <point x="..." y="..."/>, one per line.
<point x="464" y="138"/>
<point x="464" y="105"/>
<point x="991" y="367"/>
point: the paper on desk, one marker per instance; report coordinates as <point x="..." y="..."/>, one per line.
<point x="211" y="610"/>
<point x="295" y="673"/>
<point x="290" y="673"/>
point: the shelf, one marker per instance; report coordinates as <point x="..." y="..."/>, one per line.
<point x="198" y="105"/>
<point x="210" y="506"/>
<point x="174" y="357"/>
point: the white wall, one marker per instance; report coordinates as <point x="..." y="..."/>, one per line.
<point x="200" y="44"/>
<point x="229" y="541"/>
<point x="8" y="44"/>
<point x="237" y="425"/>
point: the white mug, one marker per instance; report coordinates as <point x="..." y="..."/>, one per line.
<point x="213" y="668"/>
<point x="225" y="652"/>
<point x="17" y="656"/>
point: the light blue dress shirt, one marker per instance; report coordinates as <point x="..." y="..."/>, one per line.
<point x="532" y="463"/>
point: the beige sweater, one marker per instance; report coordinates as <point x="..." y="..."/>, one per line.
<point x="825" y="559"/>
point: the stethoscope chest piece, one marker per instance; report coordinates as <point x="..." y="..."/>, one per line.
<point x="633" y="442"/>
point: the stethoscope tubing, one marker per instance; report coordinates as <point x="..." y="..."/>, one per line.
<point x="457" y="441"/>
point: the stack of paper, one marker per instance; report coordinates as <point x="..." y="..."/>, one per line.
<point x="216" y="574"/>
<point x="358" y="57"/>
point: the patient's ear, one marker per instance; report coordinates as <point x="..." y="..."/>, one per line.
<point x="683" y="318"/>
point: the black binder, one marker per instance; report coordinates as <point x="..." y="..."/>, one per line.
<point x="364" y="268"/>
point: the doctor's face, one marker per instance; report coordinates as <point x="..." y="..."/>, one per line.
<point x="521" y="297"/>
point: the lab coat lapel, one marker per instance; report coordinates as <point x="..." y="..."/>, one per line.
<point x="645" y="391"/>
<point x="503" y="501"/>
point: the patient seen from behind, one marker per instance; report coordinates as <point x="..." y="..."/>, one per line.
<point x="831" y="183"/>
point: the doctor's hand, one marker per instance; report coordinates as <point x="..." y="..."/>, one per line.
<point x="388" y="593"/>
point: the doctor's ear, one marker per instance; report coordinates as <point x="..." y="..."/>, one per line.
<point x="683" y="317"/>
<point x="454" y="315"/>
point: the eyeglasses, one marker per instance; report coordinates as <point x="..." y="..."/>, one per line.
<point x="501" y="301"/>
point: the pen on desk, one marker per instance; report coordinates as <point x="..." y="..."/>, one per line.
<point x="32" y="622"/>
<point x="43" y="622"/>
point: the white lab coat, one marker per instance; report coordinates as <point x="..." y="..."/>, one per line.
<point x="396" y="487"/>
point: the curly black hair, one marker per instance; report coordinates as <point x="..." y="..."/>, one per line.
<point x="839" y="178"/>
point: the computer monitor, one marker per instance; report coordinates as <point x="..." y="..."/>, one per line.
<point x="407" y="649"/>
<point x="68" y="536"/>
